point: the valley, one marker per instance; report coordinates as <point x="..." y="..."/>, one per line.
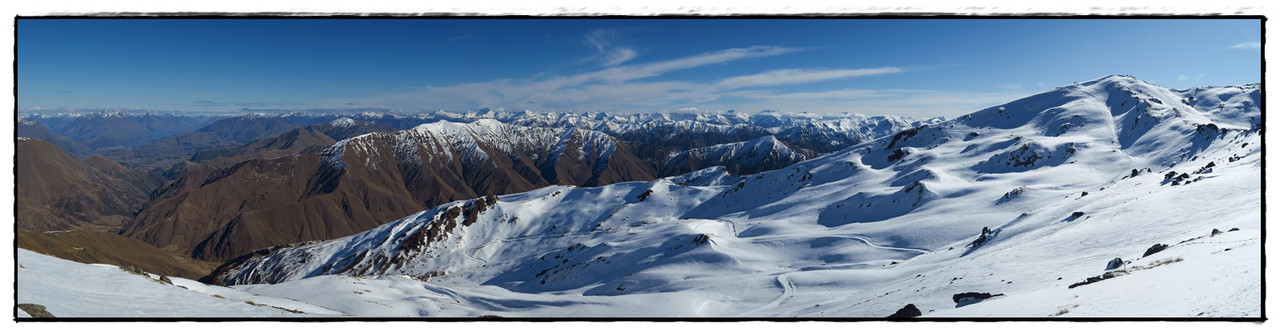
<point x="1003" y="212"/>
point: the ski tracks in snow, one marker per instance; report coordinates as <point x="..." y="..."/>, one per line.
<point x="788" y="291"/>
<point x="789" y="287"/>
<point x="869" y="243"/>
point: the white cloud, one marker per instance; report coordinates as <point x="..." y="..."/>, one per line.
<point x="1248" y="45"/>
<point x="1011" y="87"/>
<point x="913" y="103"/>
<point x="1183" y="77"/>
<point x="657" y="68"/>
<point x="799" y="76"/>
<point x="633" y="88"/>
<point x="619" y="56"/>
<point x="605" y="89"/>
<point x="603" y="40"/>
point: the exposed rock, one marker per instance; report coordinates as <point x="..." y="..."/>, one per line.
<point x="896" y="154"/>
<point x="209" y="213"/>
<point x="1207" y="168"/>
<point x="1093" y="279"/>
<point x="1115" y="264"/>
<point x="35" y="310"/>
<point x="909" y="311"/>
<point x="1157" y="248"/>
<point x="967" y="298"/>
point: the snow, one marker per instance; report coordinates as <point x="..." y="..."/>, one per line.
<point x="856" y="233"/>
<point x="343" y="122"/>
<point x="70" y="289"/>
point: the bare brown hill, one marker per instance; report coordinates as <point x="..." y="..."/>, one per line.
<point x="106" y="248"/>
<point x="56" y="191"/>
<point x="289" y="143"/>
<point x="35" y="129"/>
<point x="217" y="213"/>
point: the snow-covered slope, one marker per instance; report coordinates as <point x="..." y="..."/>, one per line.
<point x="670" y="133"/>
<point x="754" y="156"/>
<point x="1020" y="201"/>
<point x="535" y="152"/>
<point x="217" y="213"/>
<point x="70" y="289"/>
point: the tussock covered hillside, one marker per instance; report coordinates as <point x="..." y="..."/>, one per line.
<point x="1016" y="210"/>
<point x="57" y="191"/>
<point x="215" y="213"/>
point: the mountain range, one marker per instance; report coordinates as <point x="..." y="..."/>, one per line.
<point x="1014" y="203"/>
<point x="227" y="178"/>
<point x="1110" y="197"/>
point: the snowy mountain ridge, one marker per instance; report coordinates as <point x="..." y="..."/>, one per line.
<point x="476" y="141"/>
<point x="758" y="155"/>
<point x="1107" y="198"/>
<point x="1064" y="180"/>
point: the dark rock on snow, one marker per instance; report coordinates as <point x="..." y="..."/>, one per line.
<point x="1093" y="279"/>
<point x="909" y="311"/>
<point x="1156" y="248"/>
<point x="1115" y="264"/>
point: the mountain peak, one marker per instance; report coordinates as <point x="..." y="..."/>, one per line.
<point x="343" y="122"/>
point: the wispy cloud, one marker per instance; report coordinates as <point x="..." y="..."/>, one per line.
<point x="606" y="88"/>
<point x="211" y="103"/>
<point x="459" y="38"/>
<point x="914" y="103"/>
<point x="639" y="87"/>
<point x="602" y="40"/>
<point x="799" y="76"/>
<point x="1183" y="77"/>
<point x="619" y="56"/>
<point x="1248" y="45"/>
<point x="657" y="68"/>
<point x="1011" y="87"/>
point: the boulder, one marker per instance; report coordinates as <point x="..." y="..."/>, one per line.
<point x="967" y="298"/>
<point x="909" y="311"/>
<point x="38" y="311"/>
<point x="1115" y="264"/>
<point x="1156" y="248"/>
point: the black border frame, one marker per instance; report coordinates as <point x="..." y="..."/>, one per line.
<point x="797" y="16"/>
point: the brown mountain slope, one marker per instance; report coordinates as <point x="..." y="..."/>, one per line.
<point x="35" y="129"/>
<point x="218" y="213"/>
<point x="289" y="143"/>
<point x="168" y="150"/>
<point x="101" y="247"/>
<point x="55" y="191"/>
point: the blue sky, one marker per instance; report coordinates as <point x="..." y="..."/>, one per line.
<point x="920" y="68"/>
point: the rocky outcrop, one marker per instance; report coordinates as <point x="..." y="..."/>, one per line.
<point x="907" y="312"/>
